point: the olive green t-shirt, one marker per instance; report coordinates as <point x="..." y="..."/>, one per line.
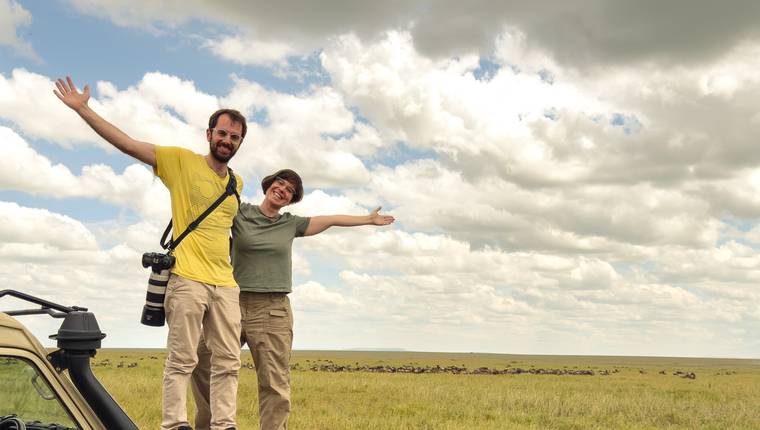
<point x="261" y="249"/>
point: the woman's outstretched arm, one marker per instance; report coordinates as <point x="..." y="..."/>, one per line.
<point x="318" y="224"/>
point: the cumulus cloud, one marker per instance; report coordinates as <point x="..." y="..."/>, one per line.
<point x="580" y="175"/>
<point x="444" y="283"/>
<point x="319" y="202"/>
<point x="483" y="127"/>
<point x="695" y="122"/>
<point x="268" y="34"/>
<point x="251" y="52"/>
<point x="135" y="188"/>
<point x="29" y="226"/>
<point x="594" y="33"/>
<point x="312" y="296"/>
<point x="12" y="17"/>
<point x="634" y="272"/>
<point x="530" y="120"/>
<point x="588" y="36"/>
<point x="605" y="165"/>
<point x="314" y="133"/>
<point x="109" y="282"/>
<point x="23" y="95"/>
<point x="161" y="109"/>
<point x="58" y="258"/>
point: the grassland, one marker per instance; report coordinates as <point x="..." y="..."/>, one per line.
<point x="23" y="394"/>
<point x="623" y="392"/>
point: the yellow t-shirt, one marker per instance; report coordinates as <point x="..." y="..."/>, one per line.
<point x="204" y="254"/>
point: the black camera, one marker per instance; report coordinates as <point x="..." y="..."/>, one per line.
<point x="153" y="312"/>
<point x="158" y="261"/>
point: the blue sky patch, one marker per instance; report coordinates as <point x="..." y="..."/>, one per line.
<point x="629" y="123"/>
<point x="402" y="152"/>
<point x="551" y="114"/>
<point x="56" y="29"/>
<point x="487" y="69"/>
<point x="546" y="76"/>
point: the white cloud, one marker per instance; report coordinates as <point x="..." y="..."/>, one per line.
<point x="301" y="265"/>
<point x="17" y="157"/>
<point x="160" y="109"/>
<point x="592" y="34"/>
<point x="451" y="28"/>
<point x="312" y="133"/>
<point x="265" y="34"/>
<point x="512" y="47"/>
<point x="312" y="296"/>
<point x="482" y="127"/>
<point x="25" y="96"/>
<point x="580" y="194"/>
<point x="319" y="202"/>
<point x="58" y="258"/>
<point x="143" y="14"/>
<point x="623" y="124"/>
<point x="135" y="188"/>
<point x="249" y="52"/>
<point x="39" y="226"/>
<point x="593" y="275"/>
<point x="12" y="17"/>
<point x="441" y="282"/>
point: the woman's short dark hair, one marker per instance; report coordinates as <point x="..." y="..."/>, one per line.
<point x="288" y="175"/>
<point x="233" y="114"/>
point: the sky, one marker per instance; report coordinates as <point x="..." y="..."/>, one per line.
<point x="566" y="179"/>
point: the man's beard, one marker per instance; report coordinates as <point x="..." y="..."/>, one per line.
<point x="214" y="149"/>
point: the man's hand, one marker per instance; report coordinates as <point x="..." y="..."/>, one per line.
<point x="69" y="95"/>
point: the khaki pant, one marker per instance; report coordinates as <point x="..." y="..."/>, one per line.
<point x="192" y="309"/>
<point x="267" y="322"/>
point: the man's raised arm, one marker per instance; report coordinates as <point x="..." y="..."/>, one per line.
<point x="68" y="94"/>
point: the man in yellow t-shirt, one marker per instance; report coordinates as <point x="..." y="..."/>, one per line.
<point x="202" y="297"/>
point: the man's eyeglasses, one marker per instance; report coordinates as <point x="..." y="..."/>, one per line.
<point x="285" y="184"/>
<point x="224" y="133"/>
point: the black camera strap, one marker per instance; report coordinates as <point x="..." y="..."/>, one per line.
<point x="231" y="189"/>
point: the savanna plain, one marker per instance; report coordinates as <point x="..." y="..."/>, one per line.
<point x="414" y="390"/>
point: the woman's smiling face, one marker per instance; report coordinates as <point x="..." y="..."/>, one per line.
<point x="280" y="193"/>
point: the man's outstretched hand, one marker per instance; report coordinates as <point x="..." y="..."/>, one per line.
<point x="67" y="92"/>
<point x="69" y="95"/>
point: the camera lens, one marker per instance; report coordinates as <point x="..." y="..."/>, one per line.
<point x="153" y="311"/>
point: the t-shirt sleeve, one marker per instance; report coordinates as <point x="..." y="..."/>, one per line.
<point x="302" y="223"/>
<point x="168" y="163"/>
<point x="239" y="180"/>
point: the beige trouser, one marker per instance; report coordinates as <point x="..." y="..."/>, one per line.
<point x="268" y="329"/>
<point x="194" y="308"/>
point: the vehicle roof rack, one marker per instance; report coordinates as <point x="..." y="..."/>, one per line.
<point x="53" y="309"/>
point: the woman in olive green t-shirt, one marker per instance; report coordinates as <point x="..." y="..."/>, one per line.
<point x="262" y="265"/>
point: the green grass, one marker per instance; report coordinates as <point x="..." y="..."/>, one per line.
<point x="724" y="395"/>
<point x="23" y="394"/>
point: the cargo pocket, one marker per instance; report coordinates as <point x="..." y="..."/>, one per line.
<point x="279" y="320"/>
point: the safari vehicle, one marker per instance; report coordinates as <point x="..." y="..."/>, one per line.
<point x="53" y="390"/>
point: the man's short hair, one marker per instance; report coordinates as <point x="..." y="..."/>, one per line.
<point x="236" y="116"/>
